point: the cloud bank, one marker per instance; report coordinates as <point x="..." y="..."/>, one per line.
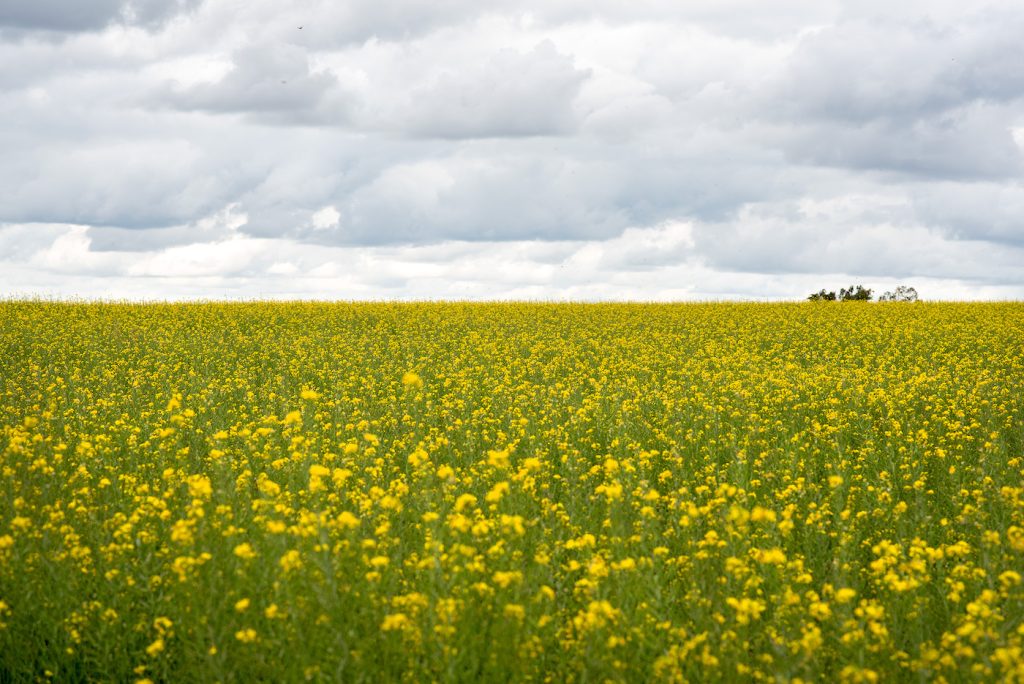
<point x="560" y="150"/>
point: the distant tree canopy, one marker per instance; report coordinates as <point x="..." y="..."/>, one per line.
<point x="860" y="294"/>
<point x="901" y="294"/>
<point x="823" y="296"/>
<point x="857" y="293"/>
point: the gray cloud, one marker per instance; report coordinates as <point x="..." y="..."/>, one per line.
<point x="767" y="240"/>
<point x="88" y="15"/>
<point x="971" y="143"/>
<point x="913" y="95"/>
<point x="271" y="84"/>
<point x="485" y="199"/>
<point x="511" y="94"/>
<point x="60" y="16"/>
<point x="131" y="183"/>
<point x="219" y="226"/>
<point x="598" y="148"/>
<point x="328" y="25"/>
<point x="912" y="69"/>
<point x="991" y="212"/>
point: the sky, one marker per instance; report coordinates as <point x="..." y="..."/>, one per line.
<point x="556" y="150"/>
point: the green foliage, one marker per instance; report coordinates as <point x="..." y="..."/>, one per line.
<point x="853" y="293"/>
<point x="901" y="294"/>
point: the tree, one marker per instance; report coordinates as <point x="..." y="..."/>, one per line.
<point x="823" y="296"/>
<point x="860" y="294"/>
<point x="857" y="293"/>
<point x="902" y="293"/>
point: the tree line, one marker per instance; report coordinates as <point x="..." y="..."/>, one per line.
<point x="859" y="293"/>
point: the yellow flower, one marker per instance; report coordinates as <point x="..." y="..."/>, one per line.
<point x="268" y="487"/>
<point x="155" y="648"/>
<point x="732" y="451"/>
<point x="199" y="487"/>
<point x="498" y="459"/>
<point x="181" y="532"/>
<point x="597" y="615"/>
<point x="316" y="474"/>
<point x="459" y="523"/>
<point x="246" y="636"/>
<point x="505" y="578"/>
<point x="1009" y="579"/>
<point x="774" y="556"/>
<point x="612" y="491"/>
<point x="418" y="458"/>
<point x="245" y="551"/>
<point x="513" y="524"/>
<point x="347" y="521"/>
<point x="819" y="610"/>
<point x="497" y="492"/>
<point x="746" y="609"/>
<point x="291" y="560"/>
<point x="464" y="501"/>
<point x="514" y="611"/>
<point x="394" y="621"/>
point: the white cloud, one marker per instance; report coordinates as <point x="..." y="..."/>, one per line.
<point x="509" y="94"/>
<point x="656" y="263"/>
<point x="566" y="149"/>
<point x="327" y="217"/>
<point x="270" y="84"/>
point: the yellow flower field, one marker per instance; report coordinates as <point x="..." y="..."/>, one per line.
<point x="510" y="492"/>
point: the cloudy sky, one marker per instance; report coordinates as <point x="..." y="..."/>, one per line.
<point x="565" y="149"/>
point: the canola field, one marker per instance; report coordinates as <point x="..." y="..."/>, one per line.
<point x="511" y="492"/>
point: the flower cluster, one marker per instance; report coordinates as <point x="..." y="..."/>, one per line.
<point x="451" y="492"/>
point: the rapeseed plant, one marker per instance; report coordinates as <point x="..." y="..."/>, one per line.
<point x="477" y="492"/>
